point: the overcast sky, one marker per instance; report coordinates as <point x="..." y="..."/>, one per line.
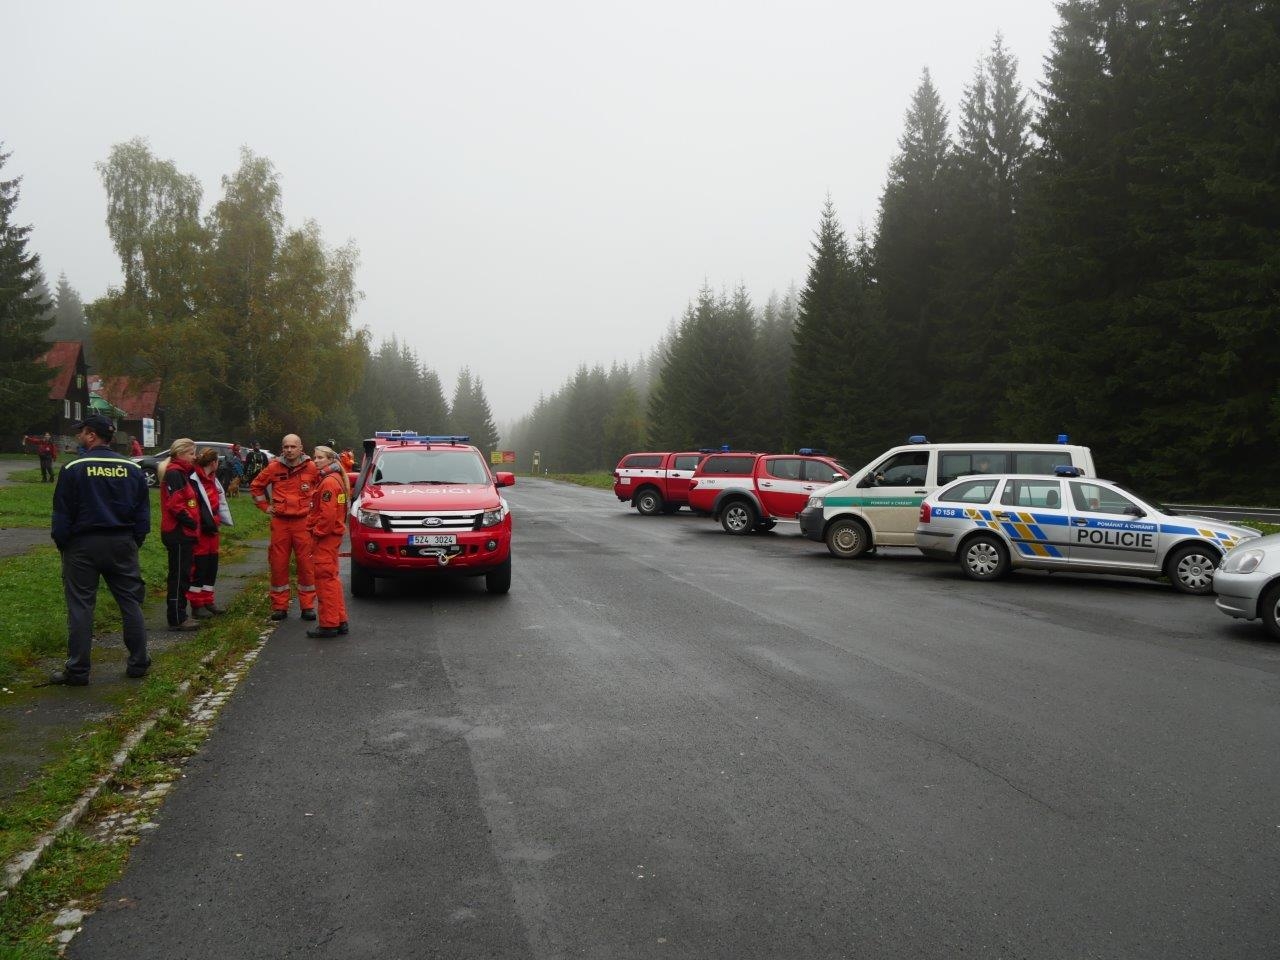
<point x="531" y="185"/>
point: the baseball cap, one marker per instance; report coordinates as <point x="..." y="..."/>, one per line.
<point x="98" y="424"/>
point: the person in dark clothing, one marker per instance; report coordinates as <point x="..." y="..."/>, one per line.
<point x="254" y="461"/>
<point x="179" y="529"/>
<point x="101" y="516"/>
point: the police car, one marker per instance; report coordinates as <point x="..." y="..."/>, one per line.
<point x="1069" y="522"/>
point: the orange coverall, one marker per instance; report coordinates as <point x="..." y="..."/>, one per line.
<point x="289" y="503"/>
<point x="328" y="522"/>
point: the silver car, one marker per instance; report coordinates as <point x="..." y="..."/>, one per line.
<point x="1248" y="582"/>
<point x="1069" y="522"/>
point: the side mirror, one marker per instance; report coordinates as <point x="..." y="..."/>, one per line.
<point x="504" y="479"/>
<point x="352" y="477"/>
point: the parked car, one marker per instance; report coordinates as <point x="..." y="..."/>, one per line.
<point x="150" y="463"/>
<point x="749" y="492"/>
<point x="1248" y="582"/>
<point x="1070" y="522"/>
<point x="655" y="483"/>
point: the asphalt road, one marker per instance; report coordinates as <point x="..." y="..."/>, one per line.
<point x="671" y="743"/>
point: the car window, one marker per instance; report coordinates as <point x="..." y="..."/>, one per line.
<point x="903" y="470"/>
<point x="819" y="472"/>
<point x="971" y="491"/>
<point x="784" y="468"/>
<point x="642" y="461"/>
<point x="1044" y="494"/>
<point x="687" y="462"/>
<point x="1095" y="498"/>
<point x="430" y="466"/>
<point x="728" y="465"/>
<point x="1026" y="462"/>
<point x="960" y="463"/>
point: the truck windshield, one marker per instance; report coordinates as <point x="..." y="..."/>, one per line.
<point x="430" y="466"/>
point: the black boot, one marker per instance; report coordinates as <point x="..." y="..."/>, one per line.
<point x="324" y="633"/>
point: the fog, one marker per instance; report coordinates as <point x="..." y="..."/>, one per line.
<point x="532" y="186"/>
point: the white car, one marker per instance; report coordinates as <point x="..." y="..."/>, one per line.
<point x="1248" y="582"/>
<point x="1070" y="522"/>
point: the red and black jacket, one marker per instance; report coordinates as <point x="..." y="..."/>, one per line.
<point x="179" y="504"/>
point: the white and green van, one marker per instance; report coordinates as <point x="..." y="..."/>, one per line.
<point x="880" y="503"/>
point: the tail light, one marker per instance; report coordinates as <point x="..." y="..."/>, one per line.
<point x="926" y="512"/>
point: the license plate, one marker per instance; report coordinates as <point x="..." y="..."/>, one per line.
<point x="433" y="540"/>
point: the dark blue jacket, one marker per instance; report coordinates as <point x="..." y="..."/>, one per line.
<point x="100" y="492"/>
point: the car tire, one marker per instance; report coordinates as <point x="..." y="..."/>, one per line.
<point x="984" y="558"/>
<point x="738" y="517"/>
<point x="1269" y="609"/>
<point x="847" y="539"/>
<point x="649" y="502"/>
<point x="153" y="480"/>
<point x="498" y="580"/>
<point x="1190" y="569"/>
<point x="362" y="583"/>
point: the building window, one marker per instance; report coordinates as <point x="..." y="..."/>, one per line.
<point x="66" y="409"/>
<point x="79" y="381"/>
<point x="77" y="409"/>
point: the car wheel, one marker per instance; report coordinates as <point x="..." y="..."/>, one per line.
<point x="847" y="539"/>
<point x="649" y="502"/>
<point x="1269" y="609"/>
<point x="1191" y="568"/>
<point x="737" y="517"/>
<point x="498" y="580"/>
<point x="152" y="479"/>
<point x="984" y="558"/>
<point x="362" y="584"/>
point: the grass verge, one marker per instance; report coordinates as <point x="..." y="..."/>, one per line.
<point x="84" y="860"/>
<point x="601" y="480"/>
<point x="31" y="583"/>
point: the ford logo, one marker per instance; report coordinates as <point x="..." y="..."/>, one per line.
<point x="432" y="522"/>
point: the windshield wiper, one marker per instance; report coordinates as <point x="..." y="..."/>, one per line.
<point x="388" y="483"/>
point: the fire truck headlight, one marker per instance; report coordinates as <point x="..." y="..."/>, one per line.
<point x="369" y="518"/>
<point x="491" y="518"/>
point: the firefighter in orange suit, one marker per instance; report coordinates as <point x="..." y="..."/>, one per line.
<point x="328" y="523"/>
<point x="284" y="489"/>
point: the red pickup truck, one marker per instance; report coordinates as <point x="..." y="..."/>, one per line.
<point x="655" y="482"/>
<point x="753" y="491"/>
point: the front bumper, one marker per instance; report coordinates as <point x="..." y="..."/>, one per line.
<point x="387" y="554"/>
<point x="812" y="523"/>
<point x="1238" y="594"/>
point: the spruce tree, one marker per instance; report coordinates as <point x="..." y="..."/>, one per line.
<point x="24" y="318"/>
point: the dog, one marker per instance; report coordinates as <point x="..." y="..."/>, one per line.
<point x="233" y="488"/>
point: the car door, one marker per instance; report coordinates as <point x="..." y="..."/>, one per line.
<point x="682" y="467"/>
<point x="1034" y="518"/>
<point x="890" y="495"/>
<point x="1109" y="529"/>
<point x="782" y="491"/>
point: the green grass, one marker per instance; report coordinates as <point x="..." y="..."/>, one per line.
<point x="600" y="480"/>
<point x="31" y="583"/>
<point x="78" y="866"/>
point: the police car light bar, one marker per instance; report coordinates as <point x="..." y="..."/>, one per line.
<point x="918" y="438"/>
<point x="811" y="452"/>
<point x="1067" y="470"/>
<point x="1063" y="438"/>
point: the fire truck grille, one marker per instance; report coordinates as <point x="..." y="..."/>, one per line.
<point x="443" y="521"/>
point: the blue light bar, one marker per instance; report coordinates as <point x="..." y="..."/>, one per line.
<point x="1067" y="470"/>
<point x="918" y="438"/>
<point x="1063" y="438"/>
<point x="410" y="436"/>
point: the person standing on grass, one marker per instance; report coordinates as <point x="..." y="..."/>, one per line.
<point x="179" y="529"/>
<point x="101" y="516"/>
<point x="283" y="489"/>
<point x="214" y="514"/>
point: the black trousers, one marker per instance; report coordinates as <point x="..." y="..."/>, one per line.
<point x="181" y="556"/>
<point x="114" y="558"/>
<point x="46" y="469"/>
